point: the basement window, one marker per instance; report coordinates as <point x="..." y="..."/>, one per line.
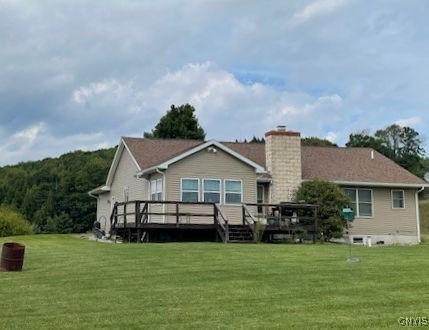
<point x="357" y="240"/>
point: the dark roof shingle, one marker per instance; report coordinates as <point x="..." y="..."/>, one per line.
<point x="353" y="165"/>
<point x="327" y="163"/>
<point x="151" y="152"/>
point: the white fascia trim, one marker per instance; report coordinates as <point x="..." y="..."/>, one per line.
<point x="132" y="156"/>
<point x="380" y="184"/>
<point x="150" y="170"/>
<point x="121" y="146"/>
<point x="258" y="168"/>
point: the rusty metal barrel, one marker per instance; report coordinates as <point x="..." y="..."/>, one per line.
<point x="12" y="257"/>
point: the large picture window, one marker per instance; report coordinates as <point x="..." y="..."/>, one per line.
<point x="398" y="199"/>
<point x="190" y="190"/>
<point x="362" y="202"/>
<point x="156" y="190"/>
<point x="233" y="192"/>
<point x="211" y="190"/>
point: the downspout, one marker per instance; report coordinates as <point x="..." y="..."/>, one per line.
<point x="92" y="195"/>
<point x="163" y="192"/>
<point x="418" y="213"/>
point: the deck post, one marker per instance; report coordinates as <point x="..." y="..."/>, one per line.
<point x="177" y="214"/>
<point x="315" y="225"/>
<point x="215" y="215"/>
<point x="125" y="215"/>
<point x="243" y="214"/>
<point x="137" y="214"/>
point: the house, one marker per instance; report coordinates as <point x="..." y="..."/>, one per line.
<point x="231" y="175"/>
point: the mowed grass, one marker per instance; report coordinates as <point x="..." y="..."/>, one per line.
<point x="78" y="284"/>
<point x="424" y="218"/>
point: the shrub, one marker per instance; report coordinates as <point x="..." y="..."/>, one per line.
<point x="13" y="223"/>
<point x="331" y="200"/>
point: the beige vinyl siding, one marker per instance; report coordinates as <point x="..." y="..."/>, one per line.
<point x="386" y="220"/>
<point x="125" y="176"/>
<point x="103" y="209"/>
<point x="208" y="165"/>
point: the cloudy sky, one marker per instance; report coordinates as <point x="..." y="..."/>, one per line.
<point x="79" y="74"/>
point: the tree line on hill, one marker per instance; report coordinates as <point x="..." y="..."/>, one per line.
<point x="53" y="193"/>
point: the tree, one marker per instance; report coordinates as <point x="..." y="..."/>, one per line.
<point x="62" y="224"/>
<point x="401" y="144"/>
<point x="317" y="142"/>
<point x="331" y="199"/>
<point x="56" y="189"/>
<point x="178" y="122"/>
<point x="257" y="140"/>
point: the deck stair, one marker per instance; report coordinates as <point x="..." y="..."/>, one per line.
<point x="240" y="234"/>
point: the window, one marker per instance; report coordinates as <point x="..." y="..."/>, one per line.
<point x="211" y="190"/>
<point x="353" y="196"/>
<point x="398" y="199"/>
<point x="362" y="203"/>
<point x="156" y="190"/>
<point x="190" y="190"/>
<point x="233" y="192"/>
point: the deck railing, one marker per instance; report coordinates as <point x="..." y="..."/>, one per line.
<point x="136" y="213"/>
<point x="304" y="217"/>
<point x="249" y="220"/>
<point x="221" y="223"/>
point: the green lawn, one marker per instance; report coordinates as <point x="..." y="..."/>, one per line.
<point x="424" y="218"/>
<point x="74" y="283"/>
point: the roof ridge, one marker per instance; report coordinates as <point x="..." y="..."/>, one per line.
<point x="160" y="139"/>
<point x="340" y="148"/>
<point x="238" y="142"/>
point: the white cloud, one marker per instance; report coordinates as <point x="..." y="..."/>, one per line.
<point x="316" y="9"/>
<point x="93" y="72"/>
<point x="37" y="142"/>
<point x="332" y="136"/>
<point x="111" y="88"/>
<point x="224" y="103"/>
<point x="29" y="135"/>
<point x="410" y="122"/>
<point x="227" y="108"/>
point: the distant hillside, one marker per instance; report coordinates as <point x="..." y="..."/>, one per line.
<point x="52" y="193"/>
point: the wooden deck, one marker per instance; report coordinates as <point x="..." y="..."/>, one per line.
<point x="132" y="222"/>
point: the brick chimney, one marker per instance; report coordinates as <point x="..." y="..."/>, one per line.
<point x="283" y="160"/>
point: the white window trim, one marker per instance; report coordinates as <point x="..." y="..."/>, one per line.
<point x="203" y="191"/>
<point x="225" y="192"/>
<point x="126" y="194"/>
<point x="403" y="195"/>
<point x="182" y="191"/>
<point x="357" y="203"/>
<point x="154" y="183"/>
